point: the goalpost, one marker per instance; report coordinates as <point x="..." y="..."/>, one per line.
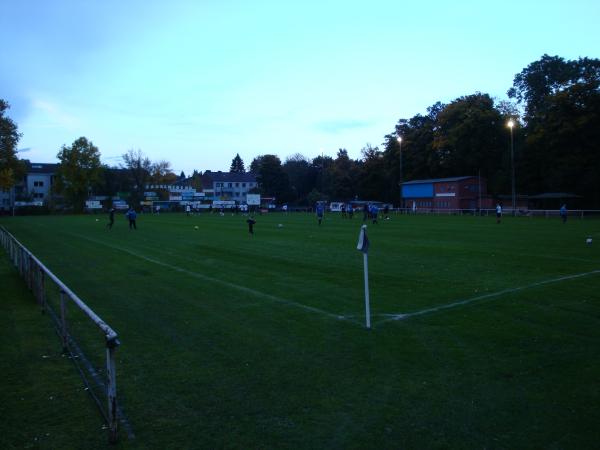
<point x="51" y="294"/>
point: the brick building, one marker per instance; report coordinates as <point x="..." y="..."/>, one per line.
<point x="447" y="193"/>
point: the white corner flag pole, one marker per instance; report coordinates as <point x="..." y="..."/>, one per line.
<point x="367" y="305"/>
<point x="363" y="246"/>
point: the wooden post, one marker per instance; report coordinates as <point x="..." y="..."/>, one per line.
<point x="111" y="388"/>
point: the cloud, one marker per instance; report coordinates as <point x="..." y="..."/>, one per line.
<point x="338" y="126"/>
<point x="55" y="114"/>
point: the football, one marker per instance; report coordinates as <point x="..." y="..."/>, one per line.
<point x="588" y="241"/>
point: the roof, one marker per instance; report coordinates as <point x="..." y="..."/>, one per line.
<point x="438" y="180"/>
<point x="550" y="195"/>
<point x="219" y="177"/>
<point x="41" y="167"/>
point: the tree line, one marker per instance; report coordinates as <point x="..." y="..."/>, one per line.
<point x="554" y="103"/>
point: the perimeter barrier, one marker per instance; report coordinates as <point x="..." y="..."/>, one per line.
<point x="51" y="294"/>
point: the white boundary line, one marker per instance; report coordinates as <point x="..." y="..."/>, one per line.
<point x="243" y="289"/>
<point x="400" y="316"/>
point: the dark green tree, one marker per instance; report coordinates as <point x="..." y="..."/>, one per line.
<point x="140" y="169"/>
<point x="197" y="180"/>
<point x="471" y="136"/>
<point x="12" y="168"/>
<point x="373" y="174"/>
<point x="343" y="177"/>
<point x="301" y="177"/>
<point x="271" y="178"/>
<point x="79" y="171"/>
<point x="560" y="140"/>
<point x="237" y="165"/>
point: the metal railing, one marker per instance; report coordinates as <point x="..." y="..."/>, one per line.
<point x="36" y="275"/>
<point x="547" y="213"/>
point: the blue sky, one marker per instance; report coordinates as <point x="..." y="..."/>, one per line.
<point x="195" y="82"/>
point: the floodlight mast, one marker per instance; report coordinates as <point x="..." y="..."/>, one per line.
<point x="511" y="125"/>
<point x="399" y="139"/>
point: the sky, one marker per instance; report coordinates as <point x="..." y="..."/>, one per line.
<point x="197" y="82"/>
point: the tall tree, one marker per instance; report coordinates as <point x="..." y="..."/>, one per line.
<point x="373" y="182"/>
<point x="12" y="168"/>
<point x="237" y="165"/>
<point x="161" y="173"/>
<point x="470" y="136"/>
<point x="562" y="103"/>
<point x="343" y="175"/>
<point x="196" y="180"/>
<point x="140" y="169"/>
<point x="270" y="176"/>
<point x="301" y="177"/>
<point x="78" y="171"/>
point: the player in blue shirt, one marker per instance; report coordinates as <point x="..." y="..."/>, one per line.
<point x="320" y="212"/>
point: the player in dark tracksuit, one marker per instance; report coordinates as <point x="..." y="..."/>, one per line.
<point x="111" y="218"/>
<point x="251" y="223"/>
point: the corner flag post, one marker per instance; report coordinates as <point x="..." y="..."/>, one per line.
<point x="363" y="246"/>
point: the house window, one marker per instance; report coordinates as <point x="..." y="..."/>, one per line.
<point x="230" y="185"/>
<point x="36" y="195"/>
<point x="237" y="184"/>
<point x="243" y="184"/>
<point x="38" y="183"/>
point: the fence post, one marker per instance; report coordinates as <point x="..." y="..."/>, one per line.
<point x="42" y="290"/>
<point x="111" y="388"/>
<point x="29" y="272"/>
<point x="63" y="319"/>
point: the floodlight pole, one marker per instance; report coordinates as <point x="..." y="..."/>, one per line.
<point x="400" y="178"/>
<point x="511" y="124"/>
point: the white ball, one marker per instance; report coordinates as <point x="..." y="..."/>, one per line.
<point x="196" y="227"/>
<point x="97" y="220"/>
<point x="280" y="225"/>
<point x="588" y="241"/>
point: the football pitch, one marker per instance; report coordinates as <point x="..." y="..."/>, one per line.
<point x="483" y="335"/>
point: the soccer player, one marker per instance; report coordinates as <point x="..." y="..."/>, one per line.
<point x="374" y="214"/>
<point x="386" y="211"/>
<point x="563" y="213"/>
<point x="187" y="209"/>
<point x="132" y="215"/>
<point x="498" y="212"/>
<point x="365" y="212"/>
<point x="349" y="210"/>
<point x="320" y="212"/>
<point x="251" y="223"/>
<point x="343" y="211"/>
<point x="111" y="218"/>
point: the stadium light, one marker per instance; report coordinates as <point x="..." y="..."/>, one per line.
<point x="399" y="139"/>
<point x="511" y="125"/>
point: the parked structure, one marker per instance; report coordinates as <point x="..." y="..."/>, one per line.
<point x="447" y="193"/>
<point x="34" y="188"/>
<point x="228" y="185"/>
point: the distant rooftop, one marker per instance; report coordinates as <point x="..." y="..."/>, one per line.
<point x="438" y="180"/>
<point x="220" y="177"/>
<point x="41" y="167"/>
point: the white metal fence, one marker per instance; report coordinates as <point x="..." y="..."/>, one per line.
<point x="548" y="213"/>
<point x="39" y="278"/>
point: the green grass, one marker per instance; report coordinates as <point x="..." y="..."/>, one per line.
<point x="42" y="399"/>
<point x="233" y="341"/>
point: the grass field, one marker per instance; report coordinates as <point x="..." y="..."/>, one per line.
<point x="484" y="335"/>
